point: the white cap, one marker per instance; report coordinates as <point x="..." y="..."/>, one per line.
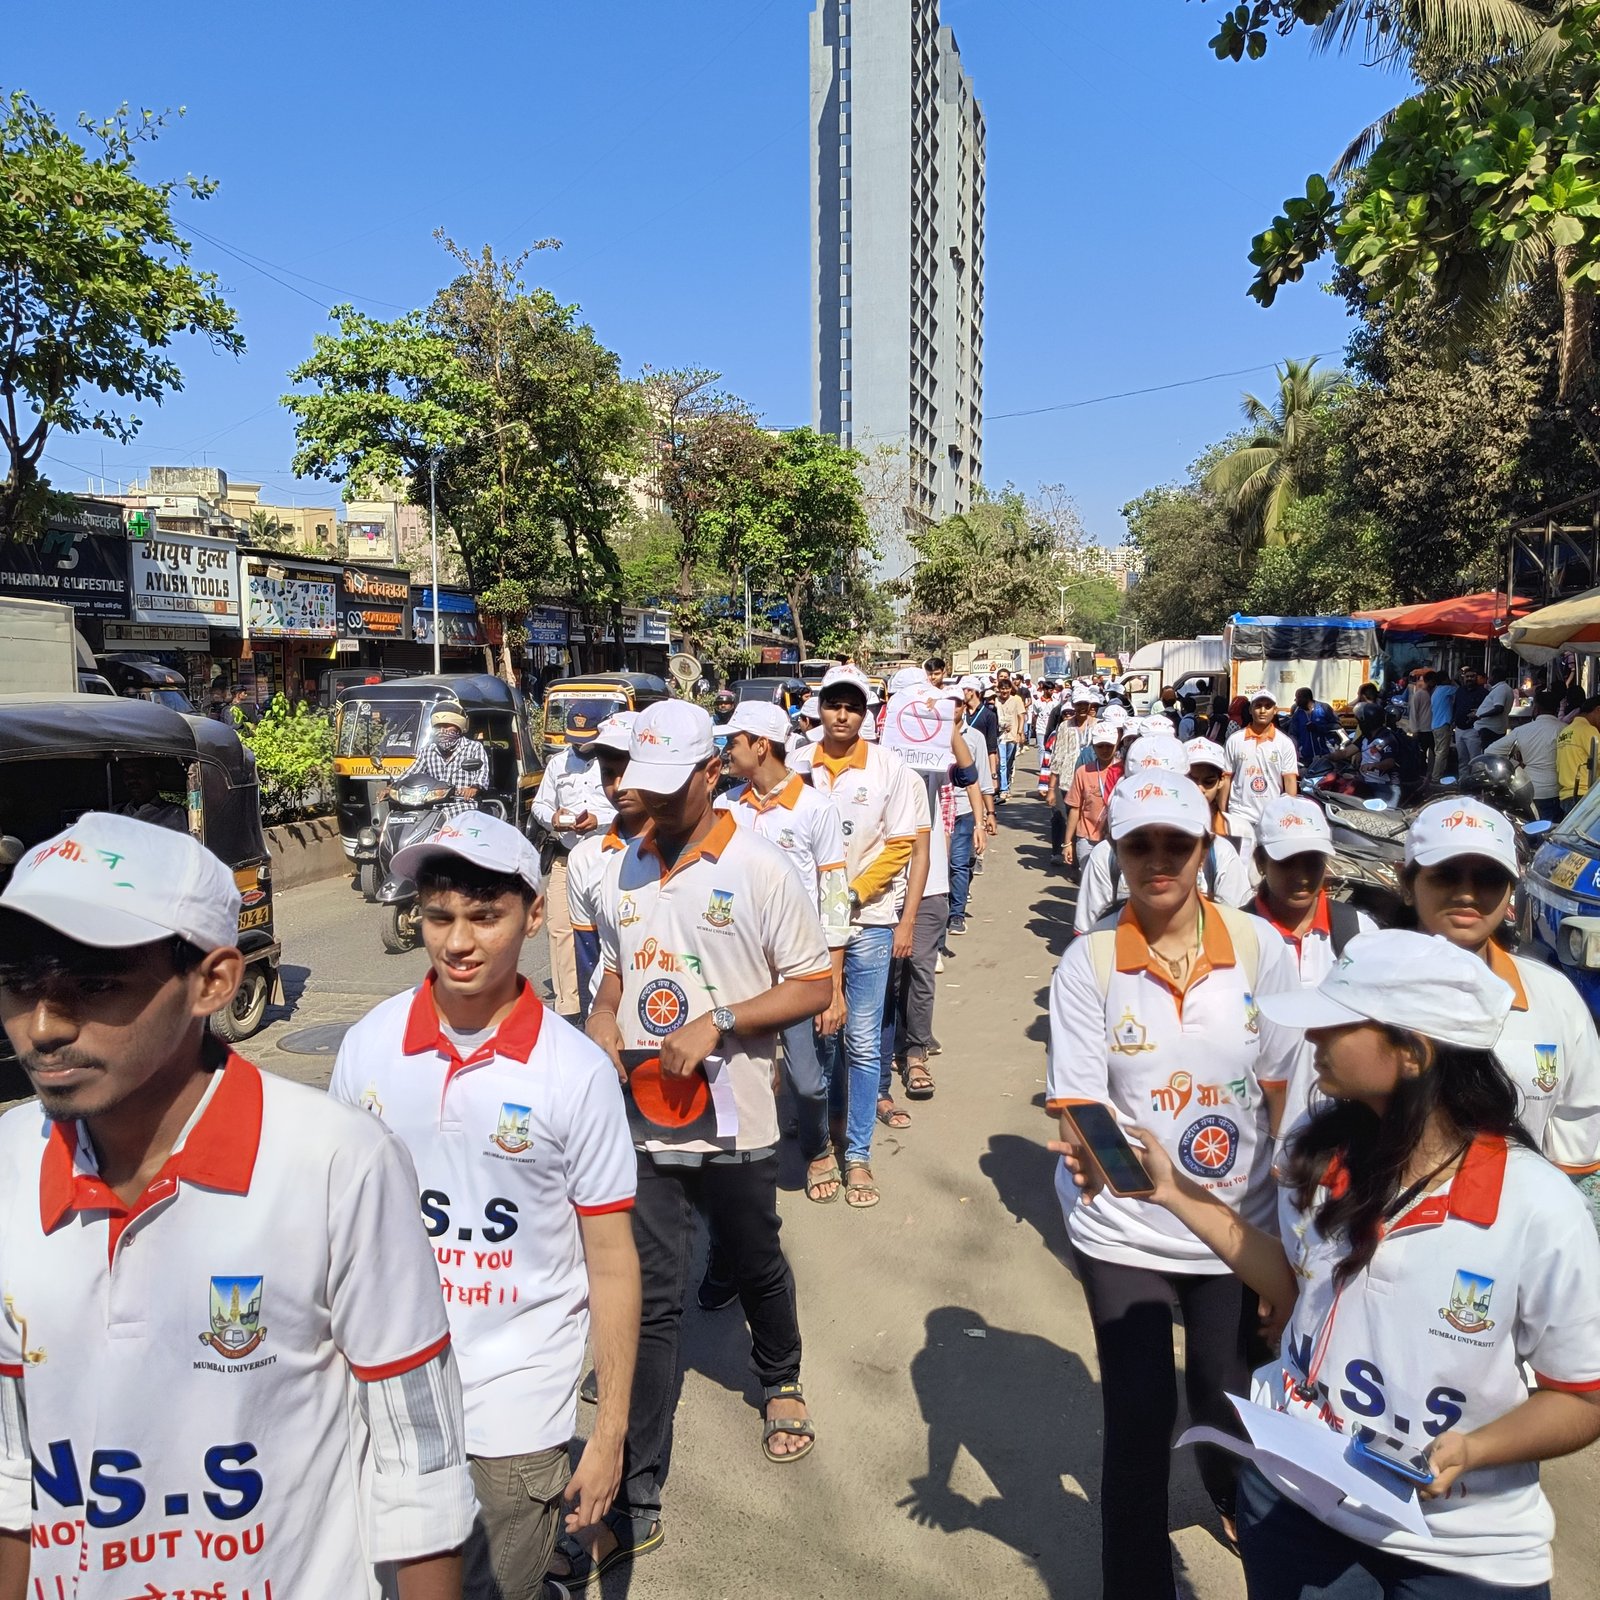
<point x="969" y="682"/>
<point x="947" y="691"/>
<point x="1450" y="828"/>
<point x="1118" y="714"/>
<point x="446" y="718"/>
<point x="615" y="732"/>
<point x="113" y="882"/>
<point x="907" y="678"/>
<point x="1155" y="727"/>
<point x="1290" y="826"/>
<point x="763" y="720"/>
<point x="1157" y="799"/>
<point x="1102" y="733"/>
<point x="847" y="677"/>
<point x="670" y="739"/>
<point x="812" y="709"/>
<point x="1156" y="752"/>
<point x="1206" y="753"/>
<point x="1259" y="695"/>
<point x="483" y="840"/>
<point x="1406" y="980"/>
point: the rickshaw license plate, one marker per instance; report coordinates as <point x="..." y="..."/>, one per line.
<point x="1569" y="869"/>
<point x="256" y="917"/>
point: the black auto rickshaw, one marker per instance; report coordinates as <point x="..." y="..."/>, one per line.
<point x="790" y="693"/>
<point x="381" y="729"/>
<point x="137" y="677"/>
<point x="62" y="755"/>
<point x="595" y="696"/>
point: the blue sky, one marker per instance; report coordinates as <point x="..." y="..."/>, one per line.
<point x="665" y="146"/>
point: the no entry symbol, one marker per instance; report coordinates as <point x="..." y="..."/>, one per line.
<point x="919" y="723"/>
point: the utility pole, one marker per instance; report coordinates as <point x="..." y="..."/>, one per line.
<point x="1063" y="587"/>
<point x="433" y="539"/>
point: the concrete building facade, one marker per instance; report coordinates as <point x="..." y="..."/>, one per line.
<point x="897" y="190"/>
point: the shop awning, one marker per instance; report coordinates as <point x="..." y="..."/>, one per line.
<point x="1466" y="616"/>
<point x="1567" y="625"/>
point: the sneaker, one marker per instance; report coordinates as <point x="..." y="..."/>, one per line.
<point x="957" y="925"/>
<point x="938" y="963"/>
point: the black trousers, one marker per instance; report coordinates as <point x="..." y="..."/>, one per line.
<point x="1131" y="1308"/>
<point x="740" y="1203"/>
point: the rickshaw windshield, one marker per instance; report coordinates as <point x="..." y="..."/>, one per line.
<point x="387" y="728"/>
<point x="1583" y="821"/>
<point x="596" y="708"/>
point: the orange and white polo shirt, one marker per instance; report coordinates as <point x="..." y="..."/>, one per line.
<point x="190" y="1364"/>
<point x="1187" y="1064"/>
<point x="1498" y="1267"/>
<point x="806" y="828"/>
<point x="877" y="797"/>
<point x="586" y="876"/>
<point x="511" y="1147"/>
<point x="1259" y="767"/>
<point x="726" y="922"/>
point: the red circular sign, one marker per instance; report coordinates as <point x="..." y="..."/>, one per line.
<point x="669" y="1102"/>
<point x="920" y="723"/>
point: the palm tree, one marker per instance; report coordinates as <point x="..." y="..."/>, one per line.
<point x="267" y="531"/>
<point x="1261" y="480"/>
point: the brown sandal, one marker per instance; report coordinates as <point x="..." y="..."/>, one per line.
<point x="891" y="1115"/>
<point x="860" y="1196"/>
<point x="917" y="1079"/>
<point x="815" y="1181"/>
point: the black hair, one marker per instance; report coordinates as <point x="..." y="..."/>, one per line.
<point x="1469" y="1088"/>
<point x="446" y="874"/>
<point x="1547" y="703"/>
<point x="933" y="664"/>
<point x="1589" y="706"/>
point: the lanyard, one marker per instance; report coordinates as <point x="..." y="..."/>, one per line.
<point x="1308" y="1390"/>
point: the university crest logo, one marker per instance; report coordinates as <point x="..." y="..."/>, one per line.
<point x="235" y="1317"/>
<point x="1546" y="1067"/>
<point x="1130" y="1037"/>
<point x="720" y="911"/>
<point x="511" y="1132"/>
<point x="1468" y="1310"/>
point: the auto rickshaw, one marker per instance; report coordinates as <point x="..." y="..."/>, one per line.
<point x="138" y="678"/>
<point x="597" y="695"/>
<point x="380" y="730"/>
<point x="62" y="755"/>
<point x="789" y="693"/>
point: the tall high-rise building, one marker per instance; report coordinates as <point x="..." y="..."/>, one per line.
<point x="897" y="242"/>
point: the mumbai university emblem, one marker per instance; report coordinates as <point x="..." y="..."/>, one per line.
<point x="1469" y="1303"/>
<point x="719" y="913"/>
<point x="1129" y="1037"/>
<point x="511" y="1132"/>
<point x="1546" y="1067"/>
<point x="235" y="1317"/>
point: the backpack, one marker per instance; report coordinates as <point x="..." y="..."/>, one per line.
<point x="1344" y="923"/>
<point x="1241" y="930"/>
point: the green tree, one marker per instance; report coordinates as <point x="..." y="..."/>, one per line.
<point x="94" y="287"/>
<point x="1094" y="612"/>
<point x="1385" y="30"/>
<point x="1330" y="564"/>
<point x="1261" y="479"/>
<point x="266" y="532"/>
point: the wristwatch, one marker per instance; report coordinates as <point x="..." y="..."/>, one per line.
<point x="723" y="1017"/>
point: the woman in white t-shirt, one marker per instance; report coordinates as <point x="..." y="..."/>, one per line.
<point x="1156" y="1016"/>
<point x="1424" y="1252"/>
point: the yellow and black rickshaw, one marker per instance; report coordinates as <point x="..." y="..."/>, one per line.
<point x="595" y="696"/>
<point x="380" y="729"/>
<point x="62" y="755"/>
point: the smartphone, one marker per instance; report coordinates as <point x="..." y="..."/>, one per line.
<point x="1395" y="1455"/>
<point x="1117" y="1159"/>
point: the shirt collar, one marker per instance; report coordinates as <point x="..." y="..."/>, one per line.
<point x="710" y="848"/>
<point x="1473" y="1195"/>
<point x="1265" y="737"/>
<point x="613" y="840"/>
<point x="786" y="794"/>
<point x="1504" y="968"/>
<point x="218" y="1151"/>
<point x="857" y="758"/>
<point x="515" y="1037"/>
<point x="1135" y="955"/>
<point x="1321" y="920"/>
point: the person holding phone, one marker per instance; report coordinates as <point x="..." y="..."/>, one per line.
<point x="1425" y="1252"/>
<point x="1153" y="1014"/>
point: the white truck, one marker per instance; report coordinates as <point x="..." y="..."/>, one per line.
<point x="1199" y="663"/>
<point x="40" y="648"/>
<point x="1330" y="656"/>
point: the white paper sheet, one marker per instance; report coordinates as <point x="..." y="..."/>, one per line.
<point x="1308" y="1459"/>
<point x="722" y="1100"/>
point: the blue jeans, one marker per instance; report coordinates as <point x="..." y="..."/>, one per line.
<point x="961" y="853"/>
<point x="1288" y="1554"/>
<point x="802" y="1061"/>
<point x="1008" y="756"/>
<point x="850" y="1059"/>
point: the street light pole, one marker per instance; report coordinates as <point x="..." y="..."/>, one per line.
<point x="433" y="539"/>
<point x="1063" y="587"/>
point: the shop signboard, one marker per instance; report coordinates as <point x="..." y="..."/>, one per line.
<point x="293" y="608"/>
<point x="647" y="627"/>
<point x="547" y="625"/>
<point x="79" y="560"/>
<point x="372" y="603"/>
<point x="185" y="577"/>
<point x="460" y="626"/>
<point x="183" y="636"/>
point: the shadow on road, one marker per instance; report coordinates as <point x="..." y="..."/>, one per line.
<point x="1023" y="1173"/>
<point x="1019" y="1407"/>
<point x="293" y="980"/>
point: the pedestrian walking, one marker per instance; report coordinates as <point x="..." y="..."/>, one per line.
<point x="1156" y="1017"/>
<point x="1088" y="792"/>
<point x="1013" y="712"/>
<point x="982" y="721"/>
<point x="588" y="859"/>
<point x="223" y="1353"/>
<point x="787" y="811"/>
<point x="515" y="1124"/>
<point x="969" y="836"/>
<point x="1262" y="761"/>
<point x="711" y="948"/>
<point x="1428" y="1260"/>
<point x="1578" y="754"/>
<point x="570" y="804"/>
<point x="876" y="797"/>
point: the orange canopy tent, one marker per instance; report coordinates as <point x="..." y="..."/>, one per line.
<point x="1466" y="616"/>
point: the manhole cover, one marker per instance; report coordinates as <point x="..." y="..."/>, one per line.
<point x="322" y="1040"/>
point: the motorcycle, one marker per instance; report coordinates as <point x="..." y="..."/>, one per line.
<point x="412" y="813"/>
